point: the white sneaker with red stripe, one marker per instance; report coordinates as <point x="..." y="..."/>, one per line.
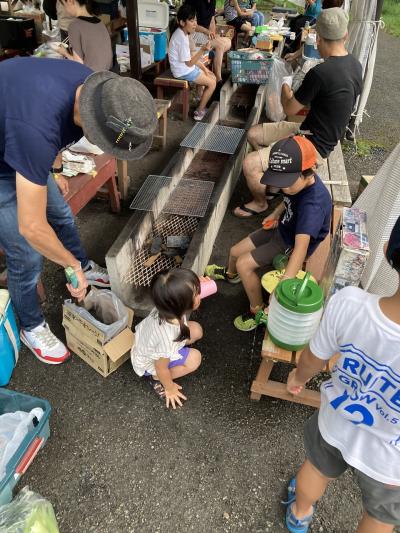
<point x="96" y="275"/>
<point x="45" y="345"/>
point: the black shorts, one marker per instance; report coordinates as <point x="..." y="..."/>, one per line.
<point x="381" y="501"/>
<point x="268" y="243"/>
<point x="238" y="22"/>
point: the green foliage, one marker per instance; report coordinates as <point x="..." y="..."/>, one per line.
<point x="364" y="147"/>
<point x="391" y="16"/>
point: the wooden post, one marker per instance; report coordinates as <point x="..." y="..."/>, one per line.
<point x="134" y="40"/>
<point x="379" y="6"/>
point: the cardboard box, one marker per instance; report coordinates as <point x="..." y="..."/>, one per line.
<point x="88" y="342"/>
<point x="349" y="253"/>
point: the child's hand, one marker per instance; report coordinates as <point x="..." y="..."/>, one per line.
<point x="207" y="46"/>
<point x="293" y="386"/>
<point x="270" y="222"/>
<point x="174" y="395"/>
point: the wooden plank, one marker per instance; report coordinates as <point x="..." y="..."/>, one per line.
<point x="276" y="353"/>
<point x="278" y="390"/>
<point x="262" y="377"/>
<point x="316" y="263"/>
<point x="323" y="173"/>
<point x="337" y="171"/>
<point x="123" y="178"/>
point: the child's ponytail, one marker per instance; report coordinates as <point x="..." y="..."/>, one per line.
<point x="173" y="293"/>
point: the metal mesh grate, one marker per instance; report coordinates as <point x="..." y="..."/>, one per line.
<point x="148" y="192"/>
<point x="165" y="225"/>
<point x="189" y="198"/>
<point x="214" y="138"/>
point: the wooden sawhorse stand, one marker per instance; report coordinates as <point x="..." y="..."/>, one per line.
<point x="263" y="385"/>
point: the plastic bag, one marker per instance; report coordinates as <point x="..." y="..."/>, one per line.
<point x="13" y="429"/>
<point x="300" y="73"/>
<point x="103" y="309"/>
<point x="273" y="106"/>
<point x="28" y="513"/>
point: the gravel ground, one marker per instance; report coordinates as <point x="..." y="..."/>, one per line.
<point x="119" y="462"/>
<point x="382" y="126"/>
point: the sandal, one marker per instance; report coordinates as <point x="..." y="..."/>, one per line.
<point x="251" y="212"/>
<point x="156" y="386"/>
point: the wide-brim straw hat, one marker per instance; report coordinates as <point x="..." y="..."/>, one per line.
<point x="118" y="114"/>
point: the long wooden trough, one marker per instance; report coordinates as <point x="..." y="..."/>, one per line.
<point x="129" y="279"/>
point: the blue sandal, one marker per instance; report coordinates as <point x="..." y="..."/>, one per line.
<point x="293" y="524"/>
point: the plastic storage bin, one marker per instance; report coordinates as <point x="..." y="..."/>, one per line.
<point x="9" y="338"/>
<point x="160" y="41"/>
<point x="246" y="69"/>
<point x="153" y="21"/>
<point x="11" y="401"/>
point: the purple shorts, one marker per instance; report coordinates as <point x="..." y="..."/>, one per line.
<point x="183" y="352"/>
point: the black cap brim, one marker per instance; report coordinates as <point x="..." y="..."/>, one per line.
<point x="279" y="179"/>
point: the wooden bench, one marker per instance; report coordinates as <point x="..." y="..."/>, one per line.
<point x="270" y="354"/>
<point x="263" y="385"/>
<point x="181" y="88"/>
<point x="84" y="187"/>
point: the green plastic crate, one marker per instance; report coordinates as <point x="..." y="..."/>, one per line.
<point x="250" y="71"/>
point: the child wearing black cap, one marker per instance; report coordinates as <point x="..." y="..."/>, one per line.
<point x="295" y="228"/>
<point x="358" y="423"/>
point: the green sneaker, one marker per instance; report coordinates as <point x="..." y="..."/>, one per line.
<point x="245" y="322"/>
<point x="217" y="273"/>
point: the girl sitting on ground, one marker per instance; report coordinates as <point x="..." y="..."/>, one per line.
<point x="89" y="40"/>
<point x="186" y="67"/>
<point x="238" y="17"/>
<point x="161" y="352"/>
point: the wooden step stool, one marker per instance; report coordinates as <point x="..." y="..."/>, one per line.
<point x="262" y="385"/>
<point x="181" y="89"/>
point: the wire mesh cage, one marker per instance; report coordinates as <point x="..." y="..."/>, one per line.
<point x="140" y="275"/>
<point x="214" y="138"/>
<point x="189" y="198"/>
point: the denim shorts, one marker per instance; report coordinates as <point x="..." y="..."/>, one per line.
<point x="183" y="352"/>
<point x="192" y="75"/>
<point x="381" y="501"/>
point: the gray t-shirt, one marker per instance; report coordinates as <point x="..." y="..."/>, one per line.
<point x="89" y="38"/>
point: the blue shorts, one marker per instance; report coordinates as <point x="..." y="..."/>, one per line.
<point x="192" y="76"/>
<point x="183" y="352"/>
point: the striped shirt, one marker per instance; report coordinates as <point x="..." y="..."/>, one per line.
<point x="154" y="340"/>
<point x="230" y="12"/>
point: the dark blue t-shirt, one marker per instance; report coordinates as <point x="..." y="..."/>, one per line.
<point x="307" y="213"/>
<point x="36" y="114"/>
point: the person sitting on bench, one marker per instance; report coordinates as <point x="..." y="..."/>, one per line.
<point x="205" y="11"/>
<point x="295" y="227"/>
<point x="330" y="90"/>
<point x="238" y="17"/>
<point x="185" y="67"/>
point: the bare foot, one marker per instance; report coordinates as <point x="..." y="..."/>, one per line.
<point x="249" y="210"/>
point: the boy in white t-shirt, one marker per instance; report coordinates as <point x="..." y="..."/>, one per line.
<point x="358" y="424"/>
<point x="186" y="67"/>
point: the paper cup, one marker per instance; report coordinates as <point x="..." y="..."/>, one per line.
<point x="207" y="287"/>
